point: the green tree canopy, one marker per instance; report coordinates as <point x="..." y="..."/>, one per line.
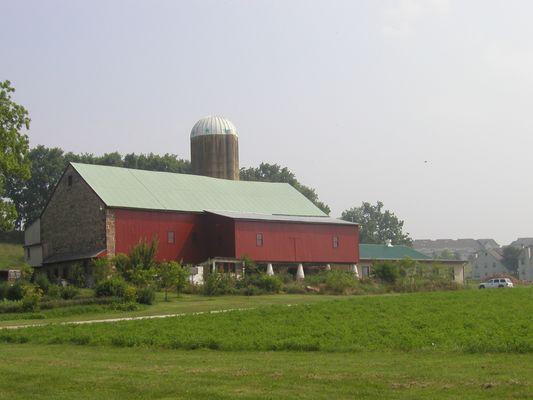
<point x="14" y="148"/>
<point x="275" y="173"/>
<point x="377" y="225"/>
<point x="511" y="255"/>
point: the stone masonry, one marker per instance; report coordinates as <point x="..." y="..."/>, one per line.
<point x="74" y="221"/>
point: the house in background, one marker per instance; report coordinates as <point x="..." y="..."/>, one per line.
<point x="525" y="264"/>
<point x="487" y="263"/>
<point x="462" y="249"/>
<point x="370" y="254"/>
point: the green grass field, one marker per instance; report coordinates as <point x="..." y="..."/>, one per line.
<point x="11" y="255"/>
<point x="460" y="344"/>
<point x="86" y="372"/>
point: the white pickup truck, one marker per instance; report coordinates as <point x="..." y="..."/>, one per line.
<point x="496" y="283"/>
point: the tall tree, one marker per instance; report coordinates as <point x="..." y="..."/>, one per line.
<point x="275" y="173"/>
<point x="511" y="255"/>
<point x="14" y="148"/>
<point x="377" y="225"/>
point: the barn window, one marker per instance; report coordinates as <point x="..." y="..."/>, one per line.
<point x="170" y="237"/>
<point x="259" y="239"/>
<point x="335" y="242"/>
<point x="69" y="180"/>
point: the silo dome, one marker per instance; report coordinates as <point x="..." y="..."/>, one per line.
<point x="213" y="125"/>
<point x="215" y="148"/>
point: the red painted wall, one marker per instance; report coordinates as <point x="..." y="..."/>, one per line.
<point x="132" y="225"/>
<point x="217" y="236"/>
<point x="295" y="242"/>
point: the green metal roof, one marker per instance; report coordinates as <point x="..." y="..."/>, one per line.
<point x="384" y="252"/>
<point x="134" y="188"/>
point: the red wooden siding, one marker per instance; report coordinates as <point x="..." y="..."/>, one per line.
<point x="198" y="237"/>
<point x="132" y="225"/>
<point x="297" y="242"/>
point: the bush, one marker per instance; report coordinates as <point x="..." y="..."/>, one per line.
<point x="114" y="287"/>
<point x="16" y="291"/>
<point x="54" y="291"/>
<point x="386" y="272"/>
<point x="130" y="294"/>
<point x="77" y="275"/>
<point x="294" y="288"/>
<point x="270" y="284"/>
<point x="218" y="284"/>
<point x="31" y="299"/>
<point x="146" y="295"/>
<point x="68" y="292"/>
<point x="339" y="282"/>
<point x="4" y="289"/>
<point x="42" y="281"/>
<point x="8" y="306"/>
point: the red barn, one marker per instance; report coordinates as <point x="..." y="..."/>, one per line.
<point x="100" y="211"/>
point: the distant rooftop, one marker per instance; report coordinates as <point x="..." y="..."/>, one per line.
<point x="393" y="252"/>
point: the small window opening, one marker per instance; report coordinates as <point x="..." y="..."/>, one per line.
<point x="69" y="180"/>
<point x="335" y="242"/>
<point x="259" y="239"/>
<point x="170" y="237"/>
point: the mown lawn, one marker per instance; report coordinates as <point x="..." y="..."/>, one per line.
<point x="470" y="321"/>
<point x="11" y="255"/>
<point x="87" y="372"/>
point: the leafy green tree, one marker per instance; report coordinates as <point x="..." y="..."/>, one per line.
<point x="30" y="196"/>
<point x="377" y="225"/>
<point x="275" y="173"/>
<point x="511" y="255"/>
<point x="171" y="275"/>
<point x="14" y="148"/>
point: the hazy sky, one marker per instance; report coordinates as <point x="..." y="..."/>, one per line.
<point x="353" y="96"/>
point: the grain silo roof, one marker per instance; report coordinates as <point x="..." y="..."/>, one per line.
<point x="153" y="190"/>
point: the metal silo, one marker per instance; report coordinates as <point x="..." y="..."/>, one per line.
<point x="215" y="148"/>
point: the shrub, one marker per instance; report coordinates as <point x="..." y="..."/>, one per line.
<point x="270" y="284"/>
<point x="16" y="291"/>
<point x="122" y="263"/>
<point x="111" y="287"/>
<point x="4" y="289"/>
<point x="8" y="306"/>
<point x="218" y="284"/>
<point x="251" y="290"/>
<point x="31" y="299"/>
<point x="77" y="275"/>
<point x="54" y="291"/>
<point x="294" y="288"/>
<point x="339" y="282"/>
<point x="130" y="294"/>
<point x="100" y="270"/>
<point x="386" y="272"/>
<point x="42" y="281"/>
<point x="146" y="295"/>
<point x="68" y="292"/>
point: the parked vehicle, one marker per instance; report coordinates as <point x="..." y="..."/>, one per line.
<point x="496" y="283"/>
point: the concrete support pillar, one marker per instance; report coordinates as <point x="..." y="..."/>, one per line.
<point x="270" y="270"/>
<point x="328" y="267"/>
<point x="355" y="270"/>
<point x="300" y="272"/>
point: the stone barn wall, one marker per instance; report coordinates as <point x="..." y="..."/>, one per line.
<point x="74" y="221"/>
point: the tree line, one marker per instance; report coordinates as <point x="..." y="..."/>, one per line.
<point x="28" y="176"/>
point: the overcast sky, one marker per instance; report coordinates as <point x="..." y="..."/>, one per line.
<point x="353" y="96"/>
